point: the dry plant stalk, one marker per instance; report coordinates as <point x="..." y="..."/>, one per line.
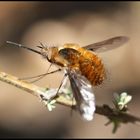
<point x="31" y="88"/>
<point x="114" y="116"/>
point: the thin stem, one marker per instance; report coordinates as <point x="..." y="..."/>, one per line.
<point x="31" y="88"/>
<point x="104" y="110"/>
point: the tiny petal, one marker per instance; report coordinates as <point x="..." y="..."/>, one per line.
<point x="117" y="97"/>
<point x="49" y="107"/>
<point x="52" y="102"/>
<point x="128" y="99"/>
<point x="123" y="94"/>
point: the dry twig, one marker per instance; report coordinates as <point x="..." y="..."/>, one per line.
<point x="114" y="116"/>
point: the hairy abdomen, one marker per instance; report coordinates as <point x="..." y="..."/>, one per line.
<point x="91" y="67"/>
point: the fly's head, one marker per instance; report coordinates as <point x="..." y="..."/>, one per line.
<point x="53" y="56"/>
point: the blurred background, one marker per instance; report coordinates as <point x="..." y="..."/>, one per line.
<point x="56" y="23"/>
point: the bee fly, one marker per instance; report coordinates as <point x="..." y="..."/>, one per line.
<point x="83" y="67"/>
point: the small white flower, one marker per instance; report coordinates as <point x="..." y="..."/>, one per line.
<point x="122" y="100"/>
<point x="50" y="104"/>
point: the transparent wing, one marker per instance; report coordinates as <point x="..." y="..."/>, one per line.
<point x="83" y="93"/>
<point x="108" y="44"/>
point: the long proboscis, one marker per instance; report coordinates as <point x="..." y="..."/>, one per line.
<point x="22" y="46"/>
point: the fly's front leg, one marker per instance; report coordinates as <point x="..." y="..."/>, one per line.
<point x="50" y="103"/>
<point x="62" y="85"/>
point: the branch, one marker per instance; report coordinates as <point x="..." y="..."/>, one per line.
<point x="40" y="92"/>
<point x="114" y="116"/>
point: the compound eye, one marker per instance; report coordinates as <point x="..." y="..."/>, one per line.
<point x="64" y="53"/>
<point x="68" y="53"/>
